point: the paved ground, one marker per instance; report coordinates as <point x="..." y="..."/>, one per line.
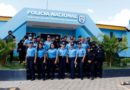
<point x="68" y="84"/>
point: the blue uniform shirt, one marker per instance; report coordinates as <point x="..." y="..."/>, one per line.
<point x="27" y="41"/>
<point x="31" y="52"/>
<point x="85" y="46"/>
<point x="47" y="44"/>
<point x="52" y="53"/>
<point x="81" y="52"/>
<point x="72" y="53"/>
<point x="68" y="46"/>
<point x="41" y="52"/>
<point x="62" y="52"/>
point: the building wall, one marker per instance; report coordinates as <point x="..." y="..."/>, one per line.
<point x="128" y="50"/>
<point x="20" y="32"/>
<point x="118" y="33"/>
<point x="2" y="23"/>
<point x="61" y="32"/>
<point x="81" y="31"/>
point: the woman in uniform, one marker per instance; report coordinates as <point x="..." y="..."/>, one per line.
<point x="52" y="61"/>
<point x="62" y="54"/>
<point x="72" y="59"/>
<point x="31" y="60"/>
<point x="41" y="61"/>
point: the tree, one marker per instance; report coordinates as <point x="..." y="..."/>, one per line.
<point x="112" y="46"/>
<point x="5" y="48"/>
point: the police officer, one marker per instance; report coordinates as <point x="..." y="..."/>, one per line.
<point x="57" y="42"/>
<point x="80" y="57"/>
<point x="31" y="60"/>
<point x="100" y="58"/>
<point x="68" y="46"/>
<point x="72" y="58"/>
<point x="48" y="42"/>
<point x="35" y="43"/>
<point x="27" y="41"/>
<point x="8" y="38"/>
<point x="94" y="50"/>
<point x="84" y="44"/>
<point x="62" y="54"/>
<point x="90" y="64"/>
<point x="21" y="51"/>
<point x="52" y="61"/>
<point x="41" y="61"/>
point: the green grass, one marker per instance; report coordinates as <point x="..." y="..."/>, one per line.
<point x="14" y="65"/>
<point x="116" y="67"/>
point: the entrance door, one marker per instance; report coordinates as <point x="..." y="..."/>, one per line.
<point x="33" y="34"/>
<point x="44" y="36"/>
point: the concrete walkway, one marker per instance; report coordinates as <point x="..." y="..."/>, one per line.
<point x="68" y="84"/>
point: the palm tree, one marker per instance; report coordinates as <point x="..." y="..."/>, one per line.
<point x="5" y="48"/>
<point x="112" y="46"/>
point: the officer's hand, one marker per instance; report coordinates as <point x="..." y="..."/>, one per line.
<point x="25" y="62"/>
<point x="75" y="62"/>
<point x="67" y="61"/>
<point x="44" y="61"/>
<point x="55" y="62"/>
<point x="82" y="60"/>
<point x="89" y="61"/>
<point x="34" y="61"/>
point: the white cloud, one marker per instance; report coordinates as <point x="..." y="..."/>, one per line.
<point x="121" y="19"/>
<point x="7" y="10"/>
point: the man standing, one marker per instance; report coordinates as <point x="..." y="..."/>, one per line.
<point x="48" y="42"/>
<point x="100" y="58"/>
<point x="7" y="39"/>
<point x="62" y="54"/>
<point x="80" y="57"/>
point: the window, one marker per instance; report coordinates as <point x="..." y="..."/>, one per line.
<point x="111" y="34"/>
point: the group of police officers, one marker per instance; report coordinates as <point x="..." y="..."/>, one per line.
<point x="78" y="58"/>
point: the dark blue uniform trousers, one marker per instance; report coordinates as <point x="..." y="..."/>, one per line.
<point x="91" y="69"/>
<point x="30" y="67"/>
<point x="72" y="67"/>
<point x="40" y="68"/>
<point x="62" y="66"/>
<point x="51" y="68"/>
<point x="80" y="67"/>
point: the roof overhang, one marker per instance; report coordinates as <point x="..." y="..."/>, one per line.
<point x="111" y="27"/>
<point x="51" y="25"/>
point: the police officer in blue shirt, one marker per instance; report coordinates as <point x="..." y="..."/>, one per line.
<point x="48" y="42"/>
<point x="31" y="56"/>
<point x="62" y="54"/>
<point x="27" y="41"/>
<point x="52" y="61"/>
<point x="68" y="46"/>
<point x="80" y="57"/>
<point x="84" y="44"/>
<point x="72" y="58"/>
<point x="41" y="61"/>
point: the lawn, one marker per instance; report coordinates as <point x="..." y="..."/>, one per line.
<point x="14" y="65"/>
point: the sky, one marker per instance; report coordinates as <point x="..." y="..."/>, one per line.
<point x="113" y="12"/>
